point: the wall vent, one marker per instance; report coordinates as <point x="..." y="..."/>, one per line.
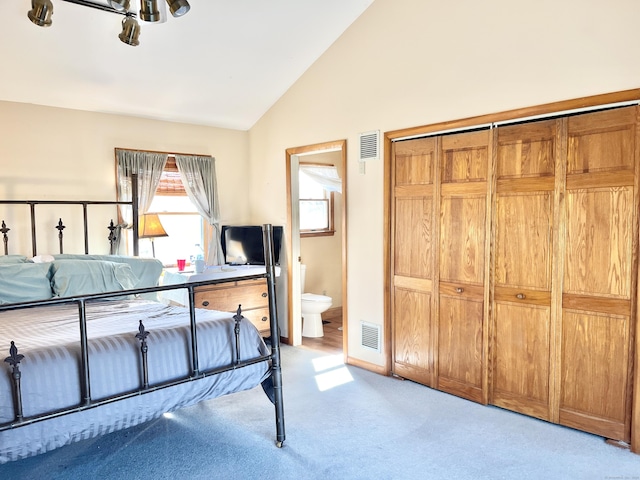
<point x="370" y="336"/>
<point x="370" y="145"/>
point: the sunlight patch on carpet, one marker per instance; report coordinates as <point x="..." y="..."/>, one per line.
<point x="334" y="372"/>
<point x="327" y="362"/>
<point x="333" y="378"/>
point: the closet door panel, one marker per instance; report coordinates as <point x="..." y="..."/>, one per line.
<point x="522" y="266"/>
<point x="414" y="162"/>
<point x="599" y="240"/>
<point x="521" y="369"/>
<point x="523" y="240"/>
<point x="414" y="240"/>
<point x="460" y="346"/>
<point x="465" y="157"/>
<point x="602" y="141"/>
<point x="413" y="357"/>
<point x="413" y="171"/>
<point x="599" y="273"/>
<point x="462" y="234"/>
<point x="463" y="262"/>
<point x="595" y="363"/>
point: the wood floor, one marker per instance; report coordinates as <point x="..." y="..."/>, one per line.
<point x="331" y="342"/>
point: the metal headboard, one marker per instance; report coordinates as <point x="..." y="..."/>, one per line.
<point x="60" y="226"/>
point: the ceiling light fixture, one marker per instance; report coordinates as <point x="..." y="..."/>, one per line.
<point x="149" y="11"/>
<point x="178" y="7"/>
<point x="130" y="31"/>
<point x="42" y="10"/>
<point x="40" y="13"/>
<point x="120" y="5"/>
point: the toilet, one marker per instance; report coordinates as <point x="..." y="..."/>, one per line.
<point x="312" y="307"/>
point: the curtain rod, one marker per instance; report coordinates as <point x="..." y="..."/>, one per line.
<point x="168" y="153"/>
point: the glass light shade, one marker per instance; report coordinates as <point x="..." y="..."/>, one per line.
<point x="178" y="7"/>
<point x="120" y="5"/>
<point x="149" y="11"/>
<point x="130" y="31"/>
<point x="149" y="226"/>
<point x="40" y="13"/>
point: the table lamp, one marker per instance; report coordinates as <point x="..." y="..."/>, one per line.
<point x="150" y="227"/>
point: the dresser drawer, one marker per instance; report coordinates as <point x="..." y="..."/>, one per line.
<point x="260" y="318"/>
<point x="250" y="296"/>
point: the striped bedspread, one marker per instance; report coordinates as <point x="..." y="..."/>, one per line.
<point x="48" y="337"/>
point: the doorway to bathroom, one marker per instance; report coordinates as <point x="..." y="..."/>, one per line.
<point x="321" y="250"/>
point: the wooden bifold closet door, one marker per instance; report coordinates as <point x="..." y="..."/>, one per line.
<point x="600" y="273"/>
<point x="464" y="215"/>
<point x="514" y="266"/>
<point x="523" y="276"/>
<point x="414" y="243"/>
<point x="440" y="246"/>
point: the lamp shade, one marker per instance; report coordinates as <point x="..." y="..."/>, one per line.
<point x="150" y="226"/>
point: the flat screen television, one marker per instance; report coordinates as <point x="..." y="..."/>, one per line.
<point x="242" y="245"/>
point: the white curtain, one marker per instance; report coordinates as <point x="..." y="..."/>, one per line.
<point x="198" y="176"/>
<point x="325" y="175"/>
<point x="149" y="167"/>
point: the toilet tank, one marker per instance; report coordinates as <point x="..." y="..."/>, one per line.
<point x="303" y="273"/>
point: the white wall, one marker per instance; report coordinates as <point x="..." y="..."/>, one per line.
<point x="408" y="63"/>
<point x="59" y="154"/>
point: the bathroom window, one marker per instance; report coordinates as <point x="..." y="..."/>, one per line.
<point x="317" y="184"/>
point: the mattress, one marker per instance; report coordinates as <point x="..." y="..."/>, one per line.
<point x="48" y="337"/>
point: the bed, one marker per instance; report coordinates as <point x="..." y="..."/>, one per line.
<point x="90" y="350"/>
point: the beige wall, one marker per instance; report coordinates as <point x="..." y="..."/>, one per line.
<point x="323" y="255"/>
<point x="59" y="154"/>
<point x="407" y="63"/>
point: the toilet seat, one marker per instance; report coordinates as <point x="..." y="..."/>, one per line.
<point x="312" y="297"/>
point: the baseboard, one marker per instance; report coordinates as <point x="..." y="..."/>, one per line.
<point x="372" y="367"/>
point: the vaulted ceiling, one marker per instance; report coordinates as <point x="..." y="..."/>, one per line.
<point x="223" y="64"/>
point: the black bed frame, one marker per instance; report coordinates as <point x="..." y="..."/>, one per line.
<point x="60" y="226"/>
<point x="272" y="385"/>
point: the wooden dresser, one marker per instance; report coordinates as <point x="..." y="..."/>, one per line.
<point x="250" y="294"/>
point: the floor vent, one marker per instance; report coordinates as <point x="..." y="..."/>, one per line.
<point x="370" y="336"/>
<point x="369" y="146"/>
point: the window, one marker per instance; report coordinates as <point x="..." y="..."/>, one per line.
<point x="184" y="228"/>
<point x="316" y="204"/>
<point x="179" y="217"/>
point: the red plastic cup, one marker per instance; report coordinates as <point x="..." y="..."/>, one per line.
<point x="181" y="264"/>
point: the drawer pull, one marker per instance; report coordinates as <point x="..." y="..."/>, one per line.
<point x="459" y="289"/>
<point x="205" y="303"/>
<point x="521" y="296"/>
<point x="264" y="294"/>
<point x="264" y="319"/>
